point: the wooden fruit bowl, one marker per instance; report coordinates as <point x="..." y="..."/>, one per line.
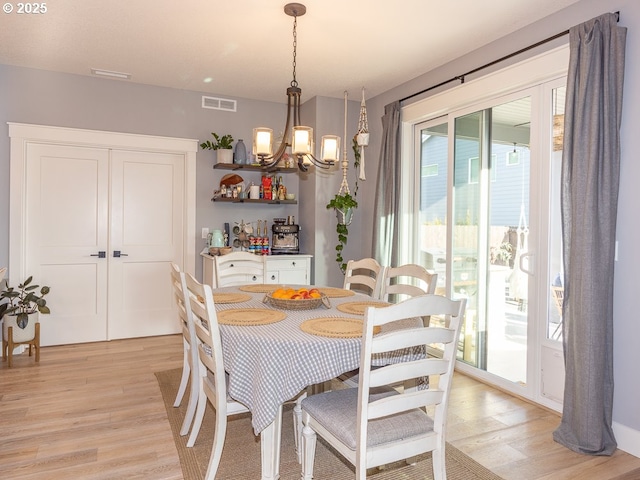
<point x="297" y="304"/>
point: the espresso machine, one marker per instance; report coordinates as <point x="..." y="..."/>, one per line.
<point x="286" y="236"/>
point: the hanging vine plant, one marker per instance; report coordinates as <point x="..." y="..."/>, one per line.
<point x="344" y="204"/>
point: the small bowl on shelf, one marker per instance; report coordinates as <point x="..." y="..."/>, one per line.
<point x="290" y="196"/>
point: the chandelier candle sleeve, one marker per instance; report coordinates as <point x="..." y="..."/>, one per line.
<point x="262" y="141"/>
<point x="330" y="148"/>
<point x="302" y="143"/>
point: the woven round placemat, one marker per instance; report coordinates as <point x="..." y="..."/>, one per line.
<point x="358" y="308"/>
<point x="259" y="288"/>
<point x="250" y="316"/>
<point x="333" y="292"/>
<point x="230" y="297"/>
<point x="333" y="327"/>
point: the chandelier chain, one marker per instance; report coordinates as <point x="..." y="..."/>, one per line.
<point x="294" y="82"/>
<point x="301" y="148"/>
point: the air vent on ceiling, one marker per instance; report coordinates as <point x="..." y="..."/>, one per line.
<point x="215" y="103"/>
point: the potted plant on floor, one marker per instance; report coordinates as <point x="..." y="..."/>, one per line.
<point x="222" y="145"/>
<point x="20" y="308"/>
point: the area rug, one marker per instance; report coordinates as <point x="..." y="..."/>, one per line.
<point x="241" y="454"/>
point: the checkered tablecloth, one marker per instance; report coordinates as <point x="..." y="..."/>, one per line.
<point x="271" y="364"/>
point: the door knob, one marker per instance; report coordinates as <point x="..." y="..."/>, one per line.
<point x="100" y="254"/>
<point x="118" y="254"/>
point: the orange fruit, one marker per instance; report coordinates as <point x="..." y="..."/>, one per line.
<point x="279" y="293"/>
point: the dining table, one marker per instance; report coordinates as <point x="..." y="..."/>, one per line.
<point x="272" y="354"/>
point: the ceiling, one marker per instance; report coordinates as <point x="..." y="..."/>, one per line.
<point x="244" y="48"/>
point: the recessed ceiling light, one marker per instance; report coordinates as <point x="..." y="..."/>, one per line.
<point x="207" y="80"/>
<point x="110" y="73"/>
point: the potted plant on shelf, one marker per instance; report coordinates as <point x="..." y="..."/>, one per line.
<point x="223" y="146"/>
<point x="20" y="308"/>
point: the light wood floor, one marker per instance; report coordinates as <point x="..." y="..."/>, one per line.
<point x="94" y="411"/>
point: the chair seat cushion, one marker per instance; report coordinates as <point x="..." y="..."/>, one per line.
<point x="336" y="411"/>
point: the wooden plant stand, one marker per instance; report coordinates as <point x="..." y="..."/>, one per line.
<point x="8" y="345"/>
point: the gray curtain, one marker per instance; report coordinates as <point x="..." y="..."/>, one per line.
<point x="590" y="177"/>
<point x="385" y="224"/>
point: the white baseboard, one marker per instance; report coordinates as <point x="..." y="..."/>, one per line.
<point x="628" y="439"/>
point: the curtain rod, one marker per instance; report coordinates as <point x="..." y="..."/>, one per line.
<point x="490" y="64"/>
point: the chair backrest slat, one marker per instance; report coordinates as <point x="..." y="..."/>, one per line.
<point x="404" y="338"/>
<point x="396" y="373"/>
<point x="395" y="404"/>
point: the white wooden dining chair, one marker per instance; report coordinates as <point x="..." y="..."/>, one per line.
<point x="190" y="354"/>
<point x="239" y="268"/>
<point x="398" y="284"/>
<point x="406" y="281"/>
<point x="364" y="276"/>
<point x="375" y="424"/>
<point x="212" y="383"/>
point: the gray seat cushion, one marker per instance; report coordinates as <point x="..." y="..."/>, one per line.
<point x="336" y="411"/>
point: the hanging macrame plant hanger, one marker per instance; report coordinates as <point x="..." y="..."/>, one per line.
<point x="362" y="136"/>
<point x="345" y="215"/>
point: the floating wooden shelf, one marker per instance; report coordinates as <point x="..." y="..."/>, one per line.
<point x="251" y="200"/>
<point x="254" y="168"/>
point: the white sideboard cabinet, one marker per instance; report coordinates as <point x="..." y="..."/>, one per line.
<point x="279" y="269"/>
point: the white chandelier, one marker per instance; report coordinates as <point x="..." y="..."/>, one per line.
<point x="296" y="136"/>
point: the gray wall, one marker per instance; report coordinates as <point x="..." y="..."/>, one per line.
<point x="626" y="325"/>
<point x="49" y="98"/>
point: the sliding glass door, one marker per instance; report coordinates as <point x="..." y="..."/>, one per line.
<point x="490" y="233"/>
<point x="483" y="168"/>
<point x="477" y="187"/>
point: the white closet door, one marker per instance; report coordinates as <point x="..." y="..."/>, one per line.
<point x="76" y="194"/>
<point x="146" y="227"/>
<point x="66" y="226"/>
